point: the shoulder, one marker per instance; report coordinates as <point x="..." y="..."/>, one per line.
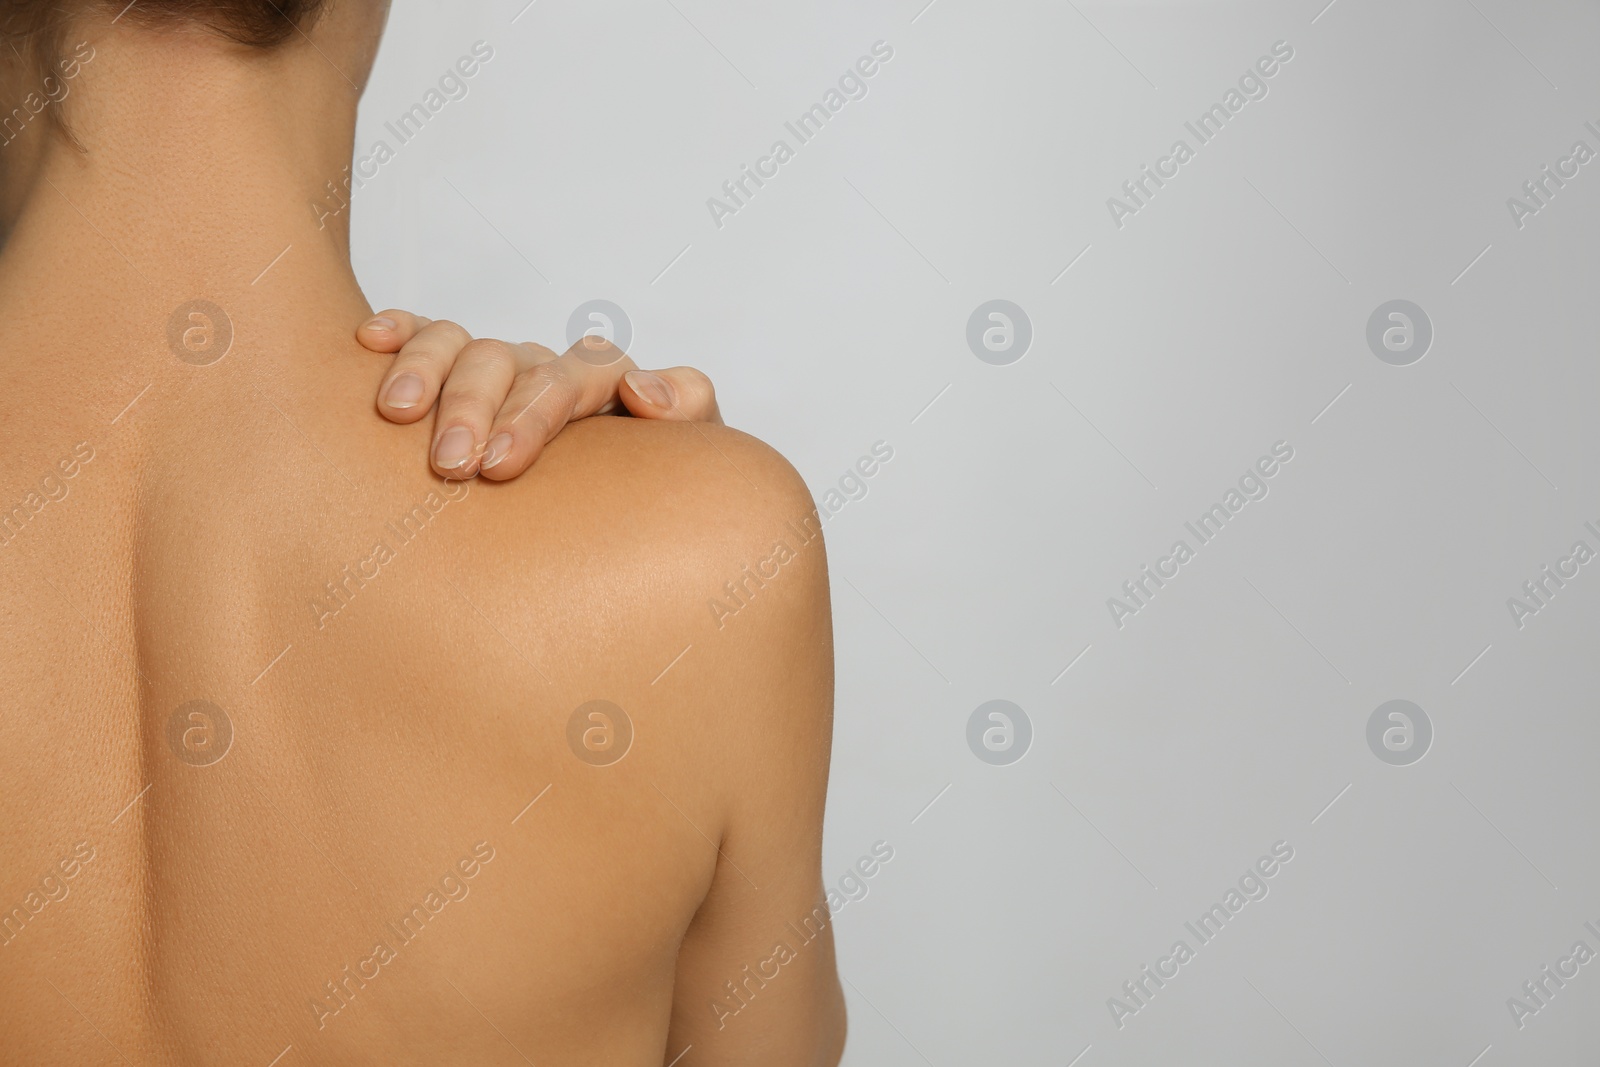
<point x="677" y="567"/>
<point x="705" y="463"/>
<point x="671" y="533"/>
<point x="692" y="494"/>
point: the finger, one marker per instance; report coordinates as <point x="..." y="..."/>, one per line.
<point x="677" y="394"/>
<point x="389" y="330"/>
<point x="543" y="400"/>
<point x="408" y="390"/>
<point x="477" y="387"/>
<point x="534" y="354"/>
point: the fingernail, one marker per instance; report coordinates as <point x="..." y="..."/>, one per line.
<point x="382" y="322"/>
<point x="499" y="449"/>
<point x="652" y="387"/>
<point x="404" y="391"/>
<point x="454" y="448"/>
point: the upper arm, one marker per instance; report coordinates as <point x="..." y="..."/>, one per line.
<point x="699" y="548"/>
<point x="756" y="980"/>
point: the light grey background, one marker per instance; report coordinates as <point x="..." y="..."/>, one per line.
<point x="1224" y="316"/>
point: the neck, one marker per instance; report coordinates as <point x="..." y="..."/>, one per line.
<point x="200" y="171"/>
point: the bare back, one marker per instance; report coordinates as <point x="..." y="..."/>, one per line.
<point x="308" y="754"/>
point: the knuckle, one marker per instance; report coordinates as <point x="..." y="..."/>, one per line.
<point x="538" y="353"/>
<point x="538" y="393"/>
<point x="434" y="345"/>
<point x="469" y="399"/>
<point x="549" y="380"/>
<point x="446" y="331"/>
<point x="417" y="361"/>
<point x="697" y="380"/>
<point x="487" y="352"/>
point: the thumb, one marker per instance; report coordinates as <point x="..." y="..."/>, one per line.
<point x="677" y="394"/>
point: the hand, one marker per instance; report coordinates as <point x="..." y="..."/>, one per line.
<point x="501" y="403"/>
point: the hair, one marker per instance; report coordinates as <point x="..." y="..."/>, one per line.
<point x="257" y="24"/>
<point x="34" y="30"/>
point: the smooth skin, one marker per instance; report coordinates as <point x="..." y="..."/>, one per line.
<point x="387" y="836"/>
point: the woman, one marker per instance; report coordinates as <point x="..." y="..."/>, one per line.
<point x="310" y="755"/>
